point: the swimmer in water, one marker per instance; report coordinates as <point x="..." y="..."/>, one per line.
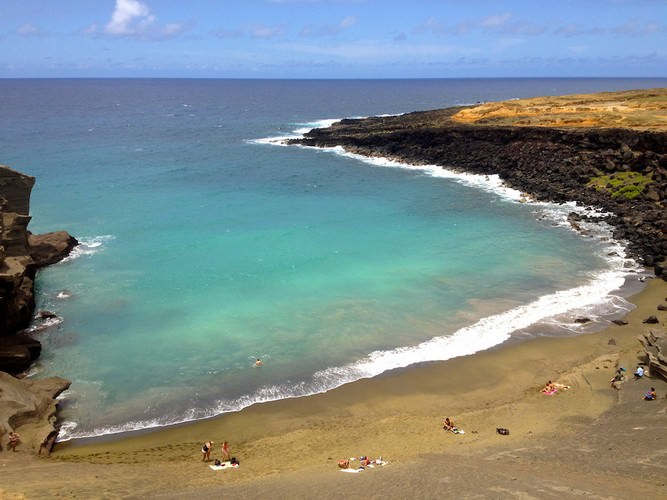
<point x="258" y="362"/>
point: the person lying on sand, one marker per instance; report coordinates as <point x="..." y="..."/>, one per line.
<point x="552" y="387"/>
<point x="549" y="388"/>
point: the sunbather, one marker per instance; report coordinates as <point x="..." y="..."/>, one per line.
<point x="549" y="388"/>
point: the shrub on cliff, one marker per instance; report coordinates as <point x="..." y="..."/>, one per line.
<point x="626" y="185"/>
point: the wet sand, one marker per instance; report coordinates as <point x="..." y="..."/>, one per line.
<point x="588" y="440"/>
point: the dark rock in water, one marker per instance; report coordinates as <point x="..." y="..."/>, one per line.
<point x="619" y="322"/>
<point x="651" y="320"/>
<point x="46" y="315"/>
<point x="17" y="353"/>
<point x="582" y="321"/>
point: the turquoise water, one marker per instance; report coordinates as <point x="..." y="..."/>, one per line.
<point x="205" y="245"/>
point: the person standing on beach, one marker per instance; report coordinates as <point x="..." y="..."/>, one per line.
<point x="206" y="451"/>
<point x="226" y="454"/>
<point x="14" y="439"/>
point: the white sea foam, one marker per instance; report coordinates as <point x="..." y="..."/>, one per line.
<point x="303" y="128"/>
<point x="89" y="246"/>
<point x="44" y="324"/>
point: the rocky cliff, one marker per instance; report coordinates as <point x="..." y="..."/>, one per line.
<point x="621" y="170"/>
<point x="21" y="255"/>
<point x="27" y="407"/>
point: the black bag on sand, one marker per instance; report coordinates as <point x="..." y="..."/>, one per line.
<point x="503" y="431"/>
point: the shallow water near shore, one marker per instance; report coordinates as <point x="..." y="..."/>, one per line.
<point x="204" y="247"/>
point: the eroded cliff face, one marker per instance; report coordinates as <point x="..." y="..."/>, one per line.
<point x="28" y="406"/>
<point x="550" y="164"/>
<point x="21" y="254"/>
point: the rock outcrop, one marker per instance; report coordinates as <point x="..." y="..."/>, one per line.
<point x="549" y="163"/>
<point x="29" y="408"/>
<point x="655" y="346"/>
<point x="21" y="255"/>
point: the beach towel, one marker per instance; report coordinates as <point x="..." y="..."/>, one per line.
<point x="456" y="430"/>
<point x="353" y="471"/>
<point x="223" y="466"/>
<point x="378" y="463"/>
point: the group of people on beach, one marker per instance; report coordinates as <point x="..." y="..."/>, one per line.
<point x="640" y="372"/>
<point x="364" y="461"/>
<point x="553" y="387"/>
<point x="207" y="447"/>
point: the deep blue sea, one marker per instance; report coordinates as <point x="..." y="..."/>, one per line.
<point x="206" y="244"/>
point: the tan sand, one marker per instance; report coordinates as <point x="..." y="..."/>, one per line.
<point x="590" y="440"/>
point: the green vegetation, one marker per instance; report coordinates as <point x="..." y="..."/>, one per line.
<point x="626" y="185"/>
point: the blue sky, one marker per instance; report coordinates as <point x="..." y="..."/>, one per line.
<point x="332" y="38"/>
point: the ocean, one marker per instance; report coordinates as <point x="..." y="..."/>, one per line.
<point x="206" y="243"/>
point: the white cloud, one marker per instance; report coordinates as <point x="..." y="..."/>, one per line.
<point x="263" y="31"/>
<point x="379" y="51"/>
<point x="329" y="30"/>
<point x="495" y="21"/>
<point x="29" y="29"/>
<point x="634" y="28"/>
<point x="130" y="17"/>
<point x="133" y="18"/>
<point x="172" y="29"/>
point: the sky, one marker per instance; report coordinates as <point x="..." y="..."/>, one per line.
<point x="333" y="38"/>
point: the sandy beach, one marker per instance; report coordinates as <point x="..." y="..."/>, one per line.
<point x="588" y="440"/>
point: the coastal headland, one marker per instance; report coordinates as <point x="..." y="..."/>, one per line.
<point x="591" y="439"/>
<point x="606" y="150"/>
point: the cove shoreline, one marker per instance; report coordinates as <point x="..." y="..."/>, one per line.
<point x="395" y="414"/>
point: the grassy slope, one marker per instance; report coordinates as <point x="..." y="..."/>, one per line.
<point x="636" y="109"/>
